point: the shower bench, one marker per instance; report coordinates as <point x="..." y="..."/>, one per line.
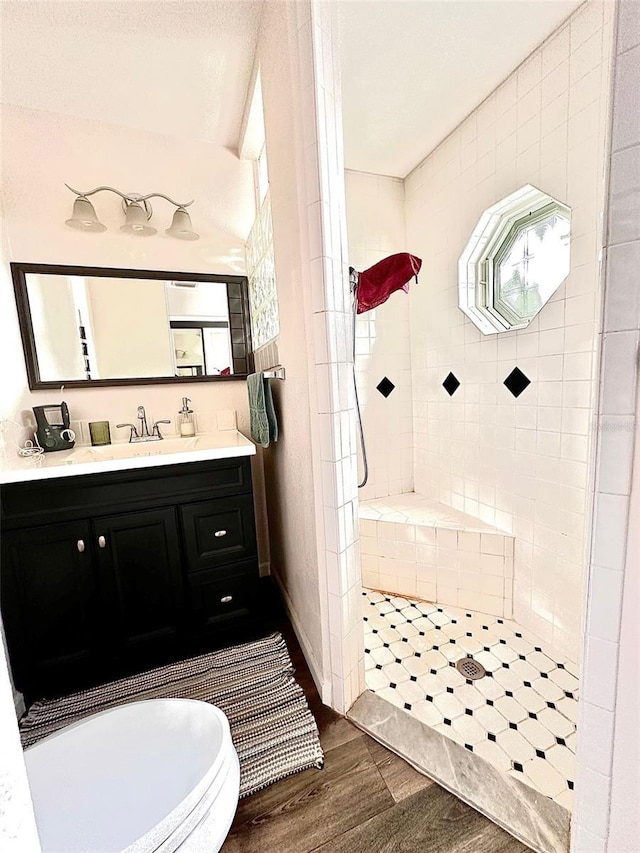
<point x="412" y="545"/>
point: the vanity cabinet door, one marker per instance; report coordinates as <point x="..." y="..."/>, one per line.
<point x="50" y="605"/>
<point x="141" y="580"/>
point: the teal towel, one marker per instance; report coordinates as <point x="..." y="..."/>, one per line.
<point x="262" y="415"/>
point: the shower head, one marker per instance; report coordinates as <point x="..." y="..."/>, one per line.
<point x="376" y="284"/>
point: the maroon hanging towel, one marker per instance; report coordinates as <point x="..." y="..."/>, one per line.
<point x="376" y="284"/>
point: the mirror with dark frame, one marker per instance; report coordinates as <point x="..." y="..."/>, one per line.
<point x="97" y="326"/>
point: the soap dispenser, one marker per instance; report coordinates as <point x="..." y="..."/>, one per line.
<point x="186" y="419"/>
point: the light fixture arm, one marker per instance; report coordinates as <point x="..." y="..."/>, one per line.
<point x="131" y="197"/>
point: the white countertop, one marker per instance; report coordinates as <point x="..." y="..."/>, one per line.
<point x="124" y="457"/>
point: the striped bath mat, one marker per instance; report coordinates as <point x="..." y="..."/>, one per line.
<point x="272" y="727"/>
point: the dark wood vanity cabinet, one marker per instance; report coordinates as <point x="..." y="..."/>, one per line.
<point x="105" y="574"/>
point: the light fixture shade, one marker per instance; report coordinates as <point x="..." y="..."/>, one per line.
<point x="84" y="217"/>
<point x="181" y="226"/>
<point x="136" y="221"/>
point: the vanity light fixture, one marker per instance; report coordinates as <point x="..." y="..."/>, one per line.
<point x="137" y="212"/>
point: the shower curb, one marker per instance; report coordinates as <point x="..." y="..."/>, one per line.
<point x="529" y="816"/>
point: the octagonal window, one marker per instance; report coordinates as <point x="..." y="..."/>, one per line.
<point x="518" y="256"/>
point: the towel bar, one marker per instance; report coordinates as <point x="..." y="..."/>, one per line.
<point x="277" y="372"/>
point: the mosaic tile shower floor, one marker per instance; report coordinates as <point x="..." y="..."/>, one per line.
<point x="521" y="716"/>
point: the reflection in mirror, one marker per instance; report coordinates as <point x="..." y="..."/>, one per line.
<point x="104" y="327"/>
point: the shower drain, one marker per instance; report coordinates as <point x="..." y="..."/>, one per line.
<point x="471" y="669"/>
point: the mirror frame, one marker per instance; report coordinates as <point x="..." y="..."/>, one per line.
<point x="239" y="323"/>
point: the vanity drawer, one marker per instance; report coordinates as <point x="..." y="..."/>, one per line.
<point x="218" y="531"/>
<point x="217" y="601"/>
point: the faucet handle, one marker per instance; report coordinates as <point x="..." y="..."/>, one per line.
<point x="156" y="428"/>
<point x="134" y="432"/>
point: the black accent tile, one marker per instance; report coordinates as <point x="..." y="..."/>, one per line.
<point x="500" y="621"/>
<point x="518" y="635"/>
<point x="505" y="666"/>
<point x="449" y="689"/>
<point x="393" y="685"/>
<point x="561" y="741"/>
<point x="522" y="657"/>
<point x="469" y="747"/>
<point x="532" y="716"/>
<point x="374" y="631"/>
<point x="544" y="675"/>
<point x="386" y="645"/>
<point x="503" y="642"/>
<point x="433" y="671"/>
<point x="398" y="660"/>
<point x="468" y="681"/>
<point x="468" y="712"/>
<point x="451" y="384"/>
<point x="385" y="387"/>
<point x="486" y="648"/>
<point x="429" y="698"/>
<point x="378" y="666"/>
<point x="540" y="753"/>
<point x="551" y="705"/>
<point x="508" y="693"/>
<point x="469" y="634"/>
<point x="561" y="666"/>
<point x="421" y="634"/>
<point x="447" y="722"/>
<point x="517" y="766"/>
<point x="570" y="784"/>
<point x="492" y="737"/>
<point x="489" y="701"/>
<point x="367" y="651"/>
<point x="418" y="655"/>
<point x="568" y="694"/>
<point x="527" y="684"/>
<point x="413" y="678"/>
<point x="407" y="706"/>
<point x="516" y="382"/>
<point x="513" y="726"/>
<point x="537" y="649"/>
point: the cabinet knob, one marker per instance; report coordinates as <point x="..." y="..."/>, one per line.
<point x="102" y="542"/>
<point x="226" y="599"/>
<point x="80" y="545"/>
<point x="220" y="533"/>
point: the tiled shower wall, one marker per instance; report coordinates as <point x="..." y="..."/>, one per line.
<point x="375" y="226"/>
<point x="521" y="464"/>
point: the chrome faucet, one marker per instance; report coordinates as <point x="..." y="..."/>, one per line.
<point x="144" y="429"/>
<point x="144" y="434"/>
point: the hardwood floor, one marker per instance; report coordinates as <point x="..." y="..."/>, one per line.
<point x="365" y="800"/>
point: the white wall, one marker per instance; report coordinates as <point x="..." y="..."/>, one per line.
<point x="375" y="228"/>
<point x="289" y="474"/>
<point x="608" y="779"/>
<point x="519" y="464"/>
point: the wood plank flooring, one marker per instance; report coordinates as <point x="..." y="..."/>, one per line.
<point x="365" y="800"/>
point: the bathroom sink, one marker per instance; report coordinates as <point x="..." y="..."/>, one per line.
<point x="136" y="450"/>
<point x="221" y="444"/>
